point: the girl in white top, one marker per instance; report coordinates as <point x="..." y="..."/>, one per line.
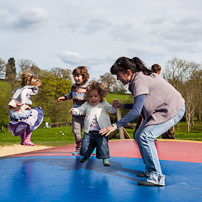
<point x="96" y="118"/>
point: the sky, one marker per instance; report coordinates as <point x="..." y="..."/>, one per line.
<point x="95" y="33"/>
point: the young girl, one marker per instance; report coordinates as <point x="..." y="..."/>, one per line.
<point x="21" y="115"/>
<point x="77" y="93"/>
<point x="96" y="118"/>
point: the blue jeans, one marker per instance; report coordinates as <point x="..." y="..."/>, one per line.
<point x="145" y="137"/>
<point x="94" y="140"/>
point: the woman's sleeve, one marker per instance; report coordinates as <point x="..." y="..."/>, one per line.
<point x="134" y="112"/>
<point x="128" y="106"/>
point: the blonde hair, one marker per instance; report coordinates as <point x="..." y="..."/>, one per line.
<point x="29" y="79"/>
<point x="101" y="87"/>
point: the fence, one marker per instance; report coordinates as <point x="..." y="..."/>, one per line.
<point x="60" y="124"/>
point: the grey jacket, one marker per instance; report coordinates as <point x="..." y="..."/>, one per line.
<point x="162" y="100"/>
<point x="17" y="93"/>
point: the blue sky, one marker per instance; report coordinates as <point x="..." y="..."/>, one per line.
<point x="69" y="33"/>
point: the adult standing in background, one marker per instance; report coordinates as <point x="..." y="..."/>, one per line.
<point x="156" y="68"/>
<point x="155" y="99"/>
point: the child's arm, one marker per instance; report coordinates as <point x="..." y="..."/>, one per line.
<point x="66" y="97"/>
<point x="79" y="110"/>
<point x="110" y="108"/>
<point x="24" y="93"/>
<point x="81" y="90"/>
<point x="26" y="107"/>
<point x="61" y="98"/>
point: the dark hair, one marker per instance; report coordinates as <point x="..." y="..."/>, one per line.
<point x="81" y="70"/>
<point x="156" y="68"/>
<point x="101" y="87"/>
<point x="134" y="65"/>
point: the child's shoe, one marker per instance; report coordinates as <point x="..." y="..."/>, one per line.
<point x="106" y="162"/>
<point x="75" y="153"/>
<point x="27" y="140"/>
<point x="94" y="152"/>
<point x="28" y="143"/>
<point x="84" y="159"/>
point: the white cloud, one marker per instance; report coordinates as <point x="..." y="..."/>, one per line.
<point x="70" y="57"/>
<point x="6" y="19"/>
<point x="67" y="33"/>
<point x="76" y="59"/>
<point x="33" y="16"/>
<point x="24" y="19"/>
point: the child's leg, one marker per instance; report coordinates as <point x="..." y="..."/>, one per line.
<point x="22" y="137"/>
<point x="102" y="149"/>
<point x="27" y="139"/>
<point x="87" y="146"/>
<point x="77" y="123"/>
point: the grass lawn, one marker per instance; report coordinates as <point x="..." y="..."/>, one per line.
<point x="127" y="98"/>
<point x="43" y="136"/>
<point x="63" y="135"/>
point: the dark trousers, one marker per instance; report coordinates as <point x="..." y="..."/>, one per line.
<point x="94" y="139"/>
<point x="77" y="124"/>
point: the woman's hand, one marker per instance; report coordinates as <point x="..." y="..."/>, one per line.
<point x="117" y="104"/>
<point x="106" y="131"/>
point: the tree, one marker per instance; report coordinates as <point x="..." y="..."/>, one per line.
<point x="11" y="62"/>
<point x="119" y="87"/>
<point x="176" y="72"/>
<point x="196" y="77"/>
<point x="52" y="88"/>
<point x="2" y="68"/>
<point x="26" y="65"/>
<point x="5" y="96"/>
<point x="190" y="102"/>
<point x="182" y="75"/>
<point x="11" y="72"/>
<point x="111" y="81"/>
<point x="61" y="73"/>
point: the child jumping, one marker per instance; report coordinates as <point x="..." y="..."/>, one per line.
<point x="77" y="93"/>
<point x="21" y="115"/>
<point x="96" y="118"/>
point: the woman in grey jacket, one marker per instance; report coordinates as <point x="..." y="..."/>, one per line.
<point x="160" y="105"/>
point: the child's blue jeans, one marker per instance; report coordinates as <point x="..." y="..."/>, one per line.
<point x="91" y="140"/>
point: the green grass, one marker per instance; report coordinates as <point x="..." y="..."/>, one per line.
<point x="43" y="136"/>
<point x="54" y="137"/>
<point x="195" y="134"/>
<point x="126" y="98"/>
